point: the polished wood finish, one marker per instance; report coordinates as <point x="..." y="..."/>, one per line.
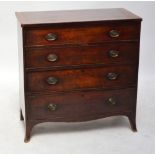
<point x="75" y="16"/>
<point x="82" y="79"/>
<point x="82" y="55"/>
<point x="78" y="65"/>
<point x="84" y="34"/>
<point x="75" y="106"/>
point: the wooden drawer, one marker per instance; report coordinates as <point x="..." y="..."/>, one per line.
<point x="77" y="65"/>
<point x="81" y="106"/>
<point x="82" y="55"/>
<point x="65" y="80"/>
<point x="82" y="34"/>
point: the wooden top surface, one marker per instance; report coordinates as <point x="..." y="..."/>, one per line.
<point x="73" y="16"/>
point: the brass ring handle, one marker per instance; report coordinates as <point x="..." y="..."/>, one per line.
<point x="113" y="53"/>
<point x="114" y="34"/>
<point x="52" y="80"/>
<point x="112" y="76"/>
<point x="111" y="101"/>
<point x="52" y="57"/>
<point x="52" y="107"/>
<point x="51" y="37"/>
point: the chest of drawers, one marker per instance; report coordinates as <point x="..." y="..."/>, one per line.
<point x="77" y="65"/>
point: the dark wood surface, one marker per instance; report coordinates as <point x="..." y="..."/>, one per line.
<point x="82" y="79"/>
<point x="75" y="106"/>
<point x="71" y="16"/>
<point x="83" y="34"/>
<point x="82" y="46"/>
<point x="82" y="55"/>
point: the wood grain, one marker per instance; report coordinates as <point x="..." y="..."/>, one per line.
<point x="83" y="34"/>
<point x="74" y="16"/>
<point x="81" y="79"/>
<point x="75" y="106"/>
<point x="82" y="55"/>
<point x="82" y="45"/>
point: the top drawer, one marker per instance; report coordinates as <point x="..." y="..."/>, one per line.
<point x="82" y="34"/>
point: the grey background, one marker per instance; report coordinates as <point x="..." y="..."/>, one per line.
<point x="111" y="135"/>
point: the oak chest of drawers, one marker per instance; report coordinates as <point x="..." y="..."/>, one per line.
<point x="78" y="65"/>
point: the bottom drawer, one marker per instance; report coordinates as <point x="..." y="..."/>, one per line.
<point x="81" y="106"/>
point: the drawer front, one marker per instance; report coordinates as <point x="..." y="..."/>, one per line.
<point x="82" y="34"/>
<point x="66" y="80"/>
<point x="82" y="55"/>
<point x="81" y="106"/>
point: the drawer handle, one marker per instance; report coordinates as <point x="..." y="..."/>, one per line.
<point x="112" y="76"/>
<point x="52" y="80"/>
<point x="51" y="37"/>
<point x="52" y="57"/>
<point x="52" y="107"/>
<point x="113" y="53"/>
<point x="111" y="101"/>
<point x="114" y="34"/>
